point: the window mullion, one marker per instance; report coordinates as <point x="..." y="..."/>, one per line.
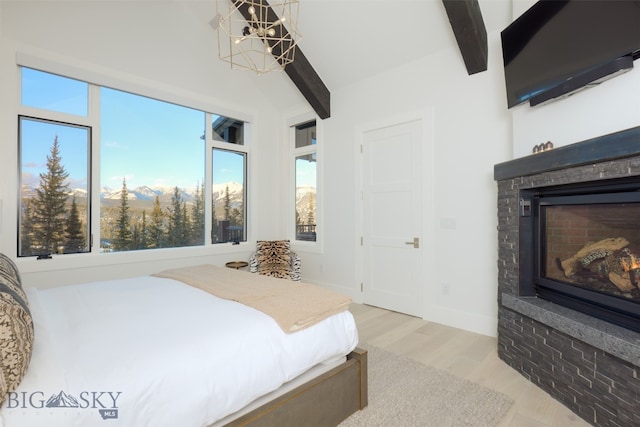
<point x="94" y="156"/>
<point x="208" y="184"/>
<point x="55" y="116"/>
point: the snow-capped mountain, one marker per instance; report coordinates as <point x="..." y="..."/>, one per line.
<point x="219" y="190"/>
<point x="165" y="193"/>
<point x="306" y="203"/>
<point x="79" y="193"/>
<point x="139" y="193"/>
<point x="145" y="195"/>
<point x="29" y="192"/>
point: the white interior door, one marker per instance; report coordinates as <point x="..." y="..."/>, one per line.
<point x="392" y="217"/>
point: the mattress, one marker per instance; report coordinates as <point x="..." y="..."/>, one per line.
<point x="152" y="351"/>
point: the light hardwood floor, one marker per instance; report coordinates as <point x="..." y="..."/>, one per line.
<point x="466" y="355"/>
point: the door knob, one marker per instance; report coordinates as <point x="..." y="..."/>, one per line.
<point x="415" y="243"/>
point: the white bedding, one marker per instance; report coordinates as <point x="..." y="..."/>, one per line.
<point x="155" y="352"/>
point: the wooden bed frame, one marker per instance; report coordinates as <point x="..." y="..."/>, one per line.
<point x="324" y="401"/>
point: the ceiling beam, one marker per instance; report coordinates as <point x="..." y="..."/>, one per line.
<point x="309" y="84"/>
<point x="471" y="34"/>
<point x="300" y="71"/>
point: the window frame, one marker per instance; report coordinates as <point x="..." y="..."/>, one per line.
<point x="238" y="149"/>
<point x="89" y="225"/>
<point x="292" y="153"/>
<point x="97" y="77"/>
<point x="163" y="107"/>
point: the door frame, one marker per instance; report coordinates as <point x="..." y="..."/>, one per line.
<point x="426" y="117"/>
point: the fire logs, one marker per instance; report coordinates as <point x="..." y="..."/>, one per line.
<point x="622" y="281"/>
<point x="611" y="259"/>
<point x="590" y="252"/>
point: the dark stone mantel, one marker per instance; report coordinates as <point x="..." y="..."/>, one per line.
<point x="603" y="148"/>
<point x="615" y="340"/>
<point x="589" y="365"/>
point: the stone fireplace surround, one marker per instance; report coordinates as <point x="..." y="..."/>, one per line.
<point x="590" y="366"/>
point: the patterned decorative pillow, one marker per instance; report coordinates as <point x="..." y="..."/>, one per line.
<point x="274" y="258"/>
<point x="16" y="328"/>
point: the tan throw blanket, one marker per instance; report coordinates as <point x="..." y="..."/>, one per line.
<point x="293" y="305"/>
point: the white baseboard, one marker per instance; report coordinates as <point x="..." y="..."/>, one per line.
<point x="479" y="324"/>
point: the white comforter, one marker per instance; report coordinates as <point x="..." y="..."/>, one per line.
<point x="155" y="352"/>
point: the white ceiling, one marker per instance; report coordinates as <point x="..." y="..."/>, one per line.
<point x="349" y="40"/>
<point x="344" y="40"/>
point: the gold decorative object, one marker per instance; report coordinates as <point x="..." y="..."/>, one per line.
<point x="258" y="36"/>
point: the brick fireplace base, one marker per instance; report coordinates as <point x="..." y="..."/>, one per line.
<point x="589" y="365"/>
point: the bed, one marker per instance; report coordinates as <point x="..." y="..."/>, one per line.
<point x="157" y="351"/>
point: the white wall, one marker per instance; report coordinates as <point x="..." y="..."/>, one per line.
<point x="612" y="106"/>
<point x="609" y="107"/>
<point x="162" y="51"/>
<point x="472" y="131"/>
<point x="470" y="134"/>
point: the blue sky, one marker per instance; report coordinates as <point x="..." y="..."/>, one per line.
<point x="145" y="141"/>
<point x="149" y="143"/>
<point x="72" y="142"/>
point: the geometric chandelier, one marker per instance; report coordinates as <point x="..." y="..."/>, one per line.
<point x="254" y="35"/>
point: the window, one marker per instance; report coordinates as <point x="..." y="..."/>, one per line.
<point x="228" y="217"/>
<point x="54" y="187"/>
<point x="54" y="93"/>
<point x="151" y="173"/>
<point x="152" y="163"/>
<point x="228" y="130"/>
<point x="305" y="154"/>
<point x="229" y="192"/>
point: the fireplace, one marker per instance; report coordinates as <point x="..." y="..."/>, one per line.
<point x="583" y="241"/>
<point x="568" y="254"/>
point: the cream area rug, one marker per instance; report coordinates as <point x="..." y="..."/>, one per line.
<point x="403" y="392"/>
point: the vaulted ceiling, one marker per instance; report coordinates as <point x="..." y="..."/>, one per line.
<point x="349" y="40"/>
<point x="345" y="41"/>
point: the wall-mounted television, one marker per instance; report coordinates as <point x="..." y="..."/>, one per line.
<point x="557" y="47"/>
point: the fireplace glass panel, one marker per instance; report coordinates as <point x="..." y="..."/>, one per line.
<point x="593" y="246"/>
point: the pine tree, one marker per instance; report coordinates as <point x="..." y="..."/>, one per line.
<point x="135" y="237"/>
<point x="108" y="216"/>
<point x="143" y="241"/>
<point x="123" y="238"/>
<point x="227" y="204"/>
<point x="214" y="222"/>
<point x="26" y="228"/>
<point x="75" y="241"/>
<point x="175" y="228"/>
<point x="50" y="205"/>
<point x="235" y="217"/>
<point x="197" y="217"/>
<point x="156" y="233"/>
<point x="185" y="239"/>
<point x="310" y="217"/>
